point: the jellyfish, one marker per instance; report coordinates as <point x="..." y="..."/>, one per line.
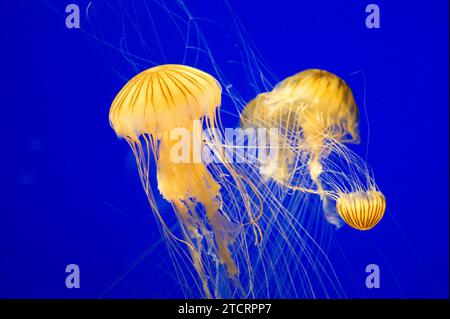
<point x="147" y="112"/>
<point x="361" y="210"/>
<point x="316" y="115"/>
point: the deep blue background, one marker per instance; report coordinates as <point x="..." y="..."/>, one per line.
<point x="69" y="188"/>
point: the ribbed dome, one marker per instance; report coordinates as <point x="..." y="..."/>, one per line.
<point x="361" y="210"/>
<point x="162" y="98"/>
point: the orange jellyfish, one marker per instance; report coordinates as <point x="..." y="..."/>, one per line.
<point x="316" y="114"/>
<point x="149" y="110"/>
<point x="361" y="210"/>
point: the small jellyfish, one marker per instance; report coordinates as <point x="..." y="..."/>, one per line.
<point x="315" y="114"/>
<point x="361" y="210"/>
<point x="146" y="112"/>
